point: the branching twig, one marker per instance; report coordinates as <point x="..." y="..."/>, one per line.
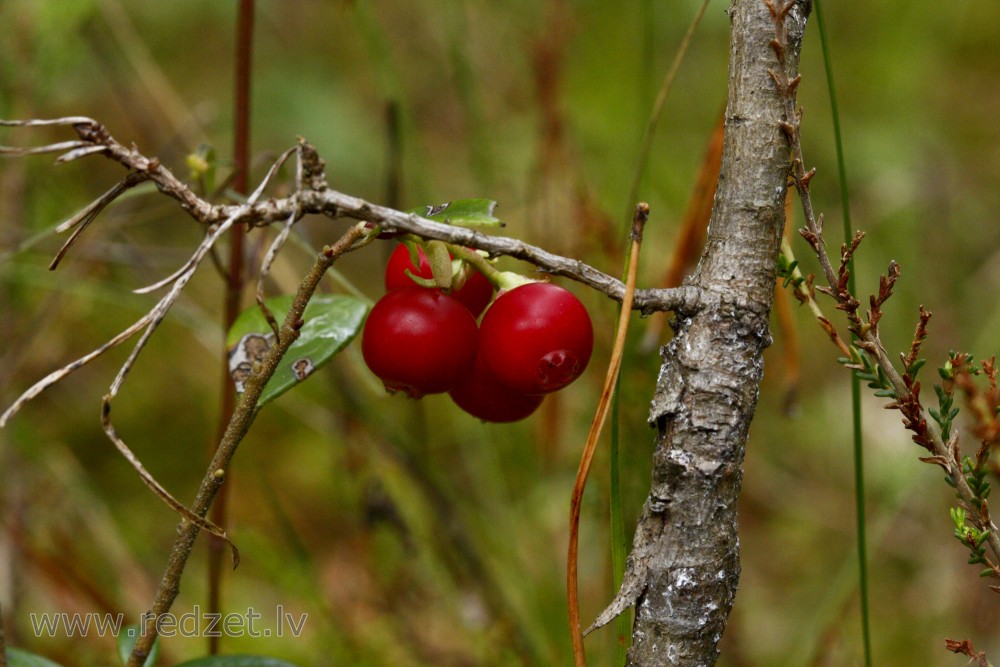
<point x="906" y="392"/>
<point x="318" y="198"/>
<point x="239" y="424"/>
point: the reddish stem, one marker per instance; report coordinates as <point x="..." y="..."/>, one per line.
<point x="234" y="287"/>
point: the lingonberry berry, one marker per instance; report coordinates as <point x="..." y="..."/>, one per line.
<point x="475" y="294"/>
<point x="419" y="341"/>
<point x="536" y="338"/>
<point x="483" y="396"/>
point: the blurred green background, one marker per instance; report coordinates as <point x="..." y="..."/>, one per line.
<point x="410" y="533"/>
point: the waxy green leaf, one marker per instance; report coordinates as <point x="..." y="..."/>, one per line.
<point x="330" y="322"/>
<point x="462" y="213"/>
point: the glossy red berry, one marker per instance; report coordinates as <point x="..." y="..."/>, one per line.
<point x="536" y="338"/>
<point x="419" y="341"/>
<point x="483" y="396"/>
<point x="475" y="294"/>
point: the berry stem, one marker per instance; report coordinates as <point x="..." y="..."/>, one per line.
<point x="501" y="280"/>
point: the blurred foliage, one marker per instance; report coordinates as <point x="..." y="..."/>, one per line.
<point x="409" y="533"/>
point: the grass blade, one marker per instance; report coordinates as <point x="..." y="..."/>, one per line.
<point x="859" y="469"/>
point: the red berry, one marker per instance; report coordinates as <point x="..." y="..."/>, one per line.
<point x="536" y="338"/>
<point x="475" y="294"/>
<point x="419" y="341"/>
<point x="481" y="395"/>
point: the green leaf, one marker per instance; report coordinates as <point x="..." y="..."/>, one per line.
<point x="331" y="322"/>
<point x="237" y="661"/>
<point x="18" y="658"/>
<point x="126" y="642"/>
<point x="462" y="213"/>
<point x="915" y="367"/>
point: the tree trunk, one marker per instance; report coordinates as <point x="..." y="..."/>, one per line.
<point x="684" y="567"/>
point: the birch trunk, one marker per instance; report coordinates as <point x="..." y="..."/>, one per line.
<point x="684" y="567"/>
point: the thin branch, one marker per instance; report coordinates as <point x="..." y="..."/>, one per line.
<point x="239" y="424"/>
<point x="646" y="300"/>
<point x="318" y="198"/>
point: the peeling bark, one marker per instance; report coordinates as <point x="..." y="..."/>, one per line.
<point x="684" y="567"/>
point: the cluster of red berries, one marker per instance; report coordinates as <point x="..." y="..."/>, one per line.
<point x="534" y="339"/>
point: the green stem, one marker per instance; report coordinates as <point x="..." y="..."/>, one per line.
<point x="859" y="469"/>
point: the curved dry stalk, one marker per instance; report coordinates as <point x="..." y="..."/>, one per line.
<point x="59" y="374"/>
<point x="16" y="151"/>
<point x="279" y="240"/>
<point x="92" y="210"/>
<point x="78" y="153"/>
<point x="157" y="488"/>
<point x="48" y="122"/>
<point x="596" y="426"/>
<point x="160" y="310"/>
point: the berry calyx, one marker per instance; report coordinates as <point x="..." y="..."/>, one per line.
<point x="419" y="341"/>
<point x="474" y="294"/>
<point x="536" y="338"/>
<point x="483" y="396"/>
